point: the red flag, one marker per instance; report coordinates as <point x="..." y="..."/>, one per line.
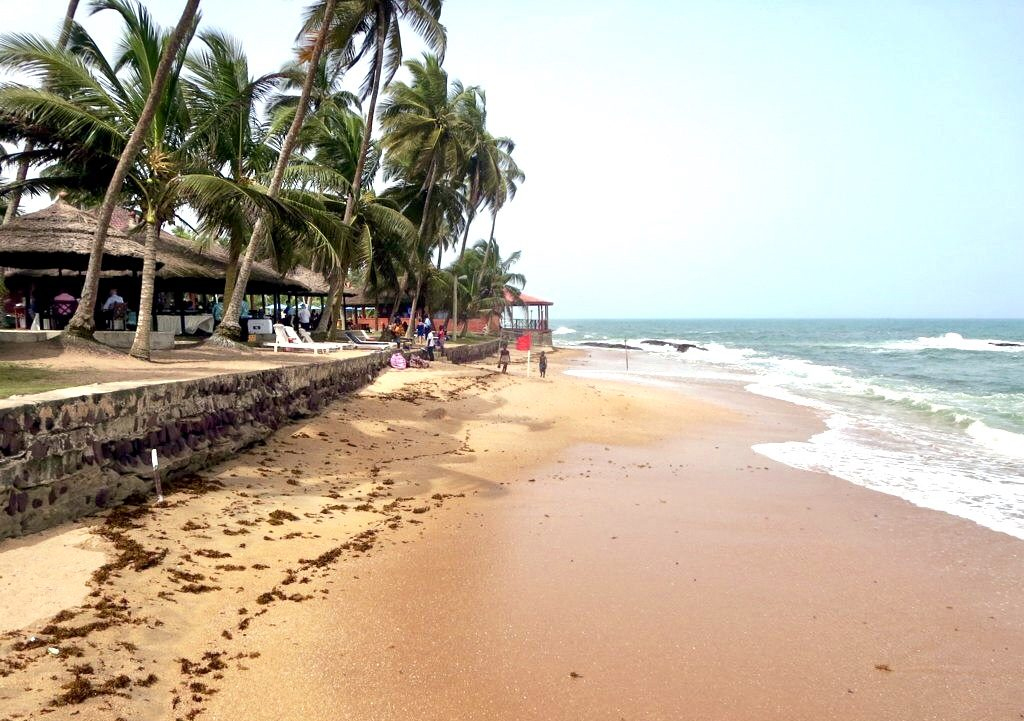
<point x="523" y="342"/>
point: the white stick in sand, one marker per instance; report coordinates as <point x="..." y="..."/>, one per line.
<point x="156" y="477"/>
<point x="527" y="363"/>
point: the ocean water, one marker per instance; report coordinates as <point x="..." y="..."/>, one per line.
<point x="931" y="411"/>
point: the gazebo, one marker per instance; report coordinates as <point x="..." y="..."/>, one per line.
<point x="532" y="319"/>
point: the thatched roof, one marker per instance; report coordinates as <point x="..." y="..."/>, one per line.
<point x="61" y="236"/>
<point x="182" y="259"/>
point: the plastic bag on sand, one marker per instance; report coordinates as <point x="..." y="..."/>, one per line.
<point x="398" y="361"/>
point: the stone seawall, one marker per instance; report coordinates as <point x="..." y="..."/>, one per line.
<point x="67" y="458"/>
<point x="471" y="353"/>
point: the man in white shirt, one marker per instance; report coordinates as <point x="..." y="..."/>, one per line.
<point x="108" y="307"/>
<point x="112" y="300"/>
<point x="304" y="316"/>
<point x="431" y="342"/>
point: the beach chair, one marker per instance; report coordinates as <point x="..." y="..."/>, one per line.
<point x="305" y="337"/>
<point x="354" y="337"/>
<point x="284" y="342"/>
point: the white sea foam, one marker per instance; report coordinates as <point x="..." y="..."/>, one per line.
<point x="946" y="459"/>
<point x="562" y="330"/>
<point x="1004" y="442"/>
<point x="953" y="341"/>
<point x="895" y="460"/>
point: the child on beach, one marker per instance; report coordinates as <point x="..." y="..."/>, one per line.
<point x="543" y="364"/>
<point x="504" y="358"/>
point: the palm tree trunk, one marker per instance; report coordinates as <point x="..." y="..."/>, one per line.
<point x="229" y="330"/>
<point x="338" y="300"/>
<point x="455" y="280"/>
<point x="140" y="345"/>
<point x="326" y="319"/>
<point x="324" y="324"/>
<point x="421" y="236"/>
<point x="231" y="272"/>
<point x="83" y="322"/>
<point x="15" y="200"/>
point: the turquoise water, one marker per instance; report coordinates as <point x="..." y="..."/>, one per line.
<point x="928" y="410"/>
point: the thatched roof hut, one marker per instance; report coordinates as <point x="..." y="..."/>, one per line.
<point x="61" y="237"/>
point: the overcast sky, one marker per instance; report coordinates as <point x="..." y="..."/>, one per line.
<point x="732" y="159"/>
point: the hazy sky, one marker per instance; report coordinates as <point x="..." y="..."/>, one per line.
<point x="733" y="159"/>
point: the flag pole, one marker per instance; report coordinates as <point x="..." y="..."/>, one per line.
<point x="625" y="345"/>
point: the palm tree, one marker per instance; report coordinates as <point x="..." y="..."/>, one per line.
<point x="228" y="331"/>
<point x="362" y="25"/>
<point x="159" y="180"/>
<point x="11" y="209"/>
<point x="491" y="285"/>
<point x="223" y="101"/>
<point x="427" y="134"/>
<point x="490" y="175"/>
<point x="82" y="323"/>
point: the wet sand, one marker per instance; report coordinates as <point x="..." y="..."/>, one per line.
<point x="512" y="548"/>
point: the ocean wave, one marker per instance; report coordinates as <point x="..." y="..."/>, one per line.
<point x="954" y="341"/>
<point x="995" y="439"/>
<point x="890" y="459"/>
<point x="562" y="330"/>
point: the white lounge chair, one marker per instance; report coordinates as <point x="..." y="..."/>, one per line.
<point x="284" y="341"/>
<point x="307" y="338"/>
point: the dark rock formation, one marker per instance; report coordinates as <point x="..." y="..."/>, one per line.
<point x="614" y="346"/>
<point x="681" y="347"/>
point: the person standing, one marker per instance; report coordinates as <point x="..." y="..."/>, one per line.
<point x="431" y="341"/>
<point x="304" y="316"/>
<point x="108" y="307"/>
<point x="542" y="363"/>
<point x="504" y="358"/>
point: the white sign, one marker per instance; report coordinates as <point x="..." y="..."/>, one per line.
<point x="156" y="463"/>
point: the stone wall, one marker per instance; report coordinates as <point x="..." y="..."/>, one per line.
<point x="471" y="352"/>
<point x="67" y="458"/>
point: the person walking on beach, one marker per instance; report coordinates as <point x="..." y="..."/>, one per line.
<point x="431" y="341"/>
<point x="542" y="363"/>
<point x="504" y="358"/>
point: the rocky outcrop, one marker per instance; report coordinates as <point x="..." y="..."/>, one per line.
<point x="613" y="346"/>
<point x="66" y="458"/>
<point x="681" y="347"/>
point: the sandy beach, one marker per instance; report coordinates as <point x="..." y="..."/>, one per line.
<point x="455" y="543"/>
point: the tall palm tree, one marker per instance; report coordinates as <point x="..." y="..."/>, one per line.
<point x="223" y="100"/>
<point x="427" y="137"/>
<point x="489" y="285"/>
<point x="363" y="25"/>
<point x="83" y="322"/>
<point x="229" y="330"/>
<point x="25" y="161"/>
<point x="490" y="174"/>
<point x="109" y="106"/>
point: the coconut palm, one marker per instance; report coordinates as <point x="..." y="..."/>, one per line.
<point x="491" y="175"/>
<point x="11" y="208"/>
<point x="489" y="284"/>
<point x="427" y="136"/>
<point x="82" y="323"/>
<point x="108" y="106"/>
<point x="223" y="101"/>
<point x="229" y="329"/>
<point x="363" y="25"/>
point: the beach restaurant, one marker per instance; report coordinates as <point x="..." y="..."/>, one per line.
<point x="46" y="254"/>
